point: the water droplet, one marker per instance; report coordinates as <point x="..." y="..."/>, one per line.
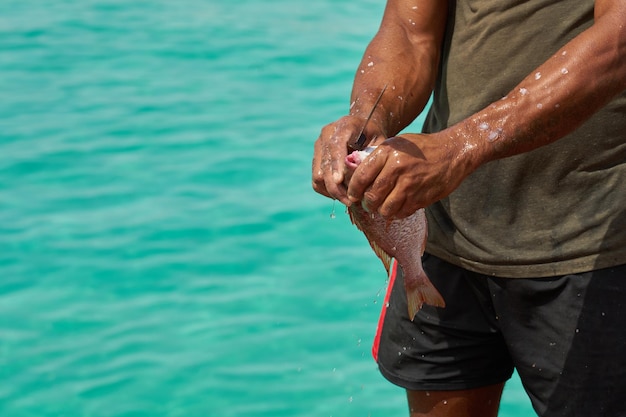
<point x="494" y="134"/>
<point x="537" y="75"/>
<point x="483" y="126"/>
<point x="564" y="71"/>
<point x="540" y="106"/>
<point x="371" y="64"/>
<point x="523" y="91"/>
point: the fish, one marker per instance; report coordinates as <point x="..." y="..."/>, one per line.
<point x="401" y="239"/>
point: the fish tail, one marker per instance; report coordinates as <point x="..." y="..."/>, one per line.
<point x="422" y="294"/>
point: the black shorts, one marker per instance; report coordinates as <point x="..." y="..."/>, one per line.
<point x="565" y="336"/>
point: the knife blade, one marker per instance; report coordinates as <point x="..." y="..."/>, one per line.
<point x="361" y="136"/>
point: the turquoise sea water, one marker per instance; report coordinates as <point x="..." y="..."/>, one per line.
<point x="161" y="250"/>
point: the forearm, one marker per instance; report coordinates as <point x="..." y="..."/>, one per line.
<point x="555" y="99"/>
<point x="404" y="56"/>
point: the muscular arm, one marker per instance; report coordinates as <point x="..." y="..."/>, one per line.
<point x="404" y="55"/>
<point x="414" y="171"/>
<point x="577" y="81"/>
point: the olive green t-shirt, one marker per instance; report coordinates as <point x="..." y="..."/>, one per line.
<point x="556" y="210"/>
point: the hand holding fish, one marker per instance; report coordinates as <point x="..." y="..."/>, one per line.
<point x="403" y="240"/>
<point x="331" y="149"/>
<point x="409" y="172"/>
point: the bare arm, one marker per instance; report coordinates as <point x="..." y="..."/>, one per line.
<point x="560" y="95"/>
<point x="549" y="103"/>
<point x="404" y="55"/>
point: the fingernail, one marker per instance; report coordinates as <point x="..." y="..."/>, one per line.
<point x="337" y="177"/>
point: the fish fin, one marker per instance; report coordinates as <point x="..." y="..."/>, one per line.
<point x="382" y="255"/>
<point x="380" y="252"/>
<point x="423" y="294"/>
<point x="353" y="219"/>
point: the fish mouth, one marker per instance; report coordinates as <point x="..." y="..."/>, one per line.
<point x="353" y="160"/>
